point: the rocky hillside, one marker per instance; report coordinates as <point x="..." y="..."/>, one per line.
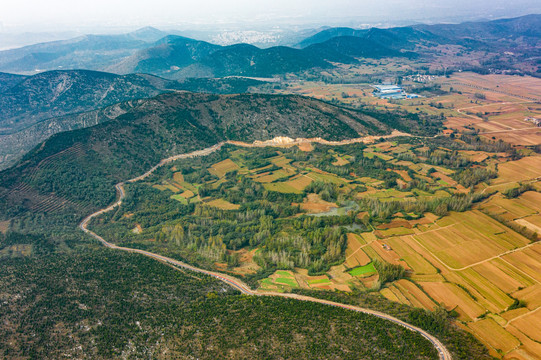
<point x="14" y="146"/>
<point x="57" y="93"/>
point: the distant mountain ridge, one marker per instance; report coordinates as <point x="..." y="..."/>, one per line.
<point x="92" y="52"/>
<point x="488" y="32"/>
<point x="399" y="37"/>
<point x="175" y="57"/>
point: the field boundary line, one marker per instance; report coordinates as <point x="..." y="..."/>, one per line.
<point x="234" y="282"/>
<point x="521" y="316"/>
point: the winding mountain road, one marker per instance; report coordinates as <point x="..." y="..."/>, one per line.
<point x="443" y="353"/>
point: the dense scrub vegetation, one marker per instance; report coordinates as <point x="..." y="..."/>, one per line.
<point x="103" y="304"/>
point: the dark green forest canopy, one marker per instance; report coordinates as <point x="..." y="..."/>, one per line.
<point x="102" y="304"/>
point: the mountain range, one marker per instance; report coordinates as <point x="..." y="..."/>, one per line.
<point x="91" y="52"/>
<point x="152" y="51"/>
<point x="149" y="62"/>
<point x="502" y="31"/>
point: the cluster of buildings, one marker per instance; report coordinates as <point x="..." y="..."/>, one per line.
<point x="535" y="121"/>
<point x="395" y="92"/>
<point x="419" y="78"/>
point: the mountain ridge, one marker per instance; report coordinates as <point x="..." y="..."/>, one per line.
<point x="33" y="108"/>
<point x="177" y="57"/>
<point x="64" y="168"/>
<point x="461" y="33"/>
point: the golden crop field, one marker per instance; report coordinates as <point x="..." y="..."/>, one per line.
<point x="494" y="335"/>
<point x="223" y="167"/>
<point x="470" y="263"/>
<point x="529" y="324"/>
<point x="453" y="298"/>
<point x="526" y="168"/>
<point x="355" y="256"/>
<point x="223" y="204"/>
<point x="415" y="296"/>
<point x="415" y="261"/>
<point x="464" y="242"/>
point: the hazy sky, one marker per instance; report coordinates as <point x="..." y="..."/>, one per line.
<point x="46" y="15"/>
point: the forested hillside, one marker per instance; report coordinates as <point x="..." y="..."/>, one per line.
<point x="36" y="107"/>
<point x="77" y="305"/>
<point x="78" y="169"/>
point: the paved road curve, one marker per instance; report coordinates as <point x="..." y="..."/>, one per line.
<point x="230" y="280"/>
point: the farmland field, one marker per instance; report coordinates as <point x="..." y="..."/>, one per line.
<point x="284" y="218"/>
<point x="495" y="335"/>
<point x="223" y="204"/>
<point x="530" y="325"/>
<point x="223" y="167"/>
<point x="463" y="243"/>
<point x="524" y="169"/>
<point x="279" y="281"/>
<point x="454" y="298"/>
<point x="355" y="256"/>
<point x="365" y="270"/>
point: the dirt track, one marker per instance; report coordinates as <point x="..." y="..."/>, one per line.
<point x="443" y="353"/>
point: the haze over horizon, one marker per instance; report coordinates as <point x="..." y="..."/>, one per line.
<point x="109" y="15"/>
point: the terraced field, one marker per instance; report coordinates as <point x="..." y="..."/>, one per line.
<point x="311" y="221"/>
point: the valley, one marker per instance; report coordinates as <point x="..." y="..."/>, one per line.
<point x="429" y="274"/>
<point x="439" y="222"/>
<point x="364" y="193"/>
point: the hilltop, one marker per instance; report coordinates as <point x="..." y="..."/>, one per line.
<point x="32" y="108"/>
<point x="77" y="169"/>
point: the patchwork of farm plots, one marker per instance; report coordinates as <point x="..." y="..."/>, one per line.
<point x="483" y="269"/>
<point x="496" y="106"/>
<point x="280" y="174"/>
<point x="480" y="264"/>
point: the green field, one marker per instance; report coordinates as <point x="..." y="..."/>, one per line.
<point x="284" y="273"/>
<point x="318" y="281"/>
<point x="363" y="271"/>
<point x="180" y="198"/>
<point x="288" y="281"/>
